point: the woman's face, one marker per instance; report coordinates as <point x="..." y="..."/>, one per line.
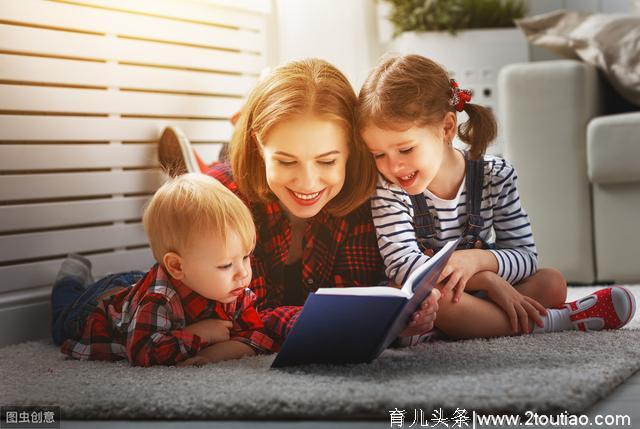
<point x="305" y="161"/>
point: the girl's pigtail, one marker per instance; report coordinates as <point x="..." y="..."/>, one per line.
<point x="479" y="131"/>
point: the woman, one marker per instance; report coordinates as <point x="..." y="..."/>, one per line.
<point x="294" y="162"/>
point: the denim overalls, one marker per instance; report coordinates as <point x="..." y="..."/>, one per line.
<point x="425" y="226"/>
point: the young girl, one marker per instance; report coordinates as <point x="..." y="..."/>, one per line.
<point x="430" y="192"/>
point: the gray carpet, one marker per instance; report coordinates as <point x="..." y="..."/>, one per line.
<point x="548" y="373"/>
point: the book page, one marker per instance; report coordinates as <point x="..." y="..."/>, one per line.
<point x="363" y="291"/>
<point x="416" y="276"/>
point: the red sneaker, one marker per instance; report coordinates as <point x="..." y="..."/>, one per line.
<point x="609" y="308"/>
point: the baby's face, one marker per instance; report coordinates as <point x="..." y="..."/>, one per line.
<point x="216" y="271"/>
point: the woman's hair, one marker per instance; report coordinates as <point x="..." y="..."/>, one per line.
<point x="416" y="90"/>
<point x="194" y="205"/>
<point x="296" y="89"/>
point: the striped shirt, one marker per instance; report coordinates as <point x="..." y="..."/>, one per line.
<point x="505" y="224"/>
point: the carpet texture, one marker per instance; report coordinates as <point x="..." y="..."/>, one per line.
<point x="546" y="372"/>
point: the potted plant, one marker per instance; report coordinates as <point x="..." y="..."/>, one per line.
<point x="473" y="39"/>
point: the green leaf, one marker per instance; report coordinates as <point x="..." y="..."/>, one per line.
<point x="453" y="15"/>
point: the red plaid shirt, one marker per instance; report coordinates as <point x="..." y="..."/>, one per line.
<point x="338" y="252"/>
<point x="145" y="323"/>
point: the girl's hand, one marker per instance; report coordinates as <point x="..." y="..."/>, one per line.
<point x="519" y="308"/>
<point x="211" y="330"/>
<point x="422" y="320"/>
<point x="462" y="265"/>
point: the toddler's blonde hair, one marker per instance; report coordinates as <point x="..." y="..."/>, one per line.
<point x="194" y="205"/>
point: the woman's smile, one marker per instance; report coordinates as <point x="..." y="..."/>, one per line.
<point x="306" y="199"/>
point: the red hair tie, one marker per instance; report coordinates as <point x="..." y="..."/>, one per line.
<point x="459" y="97"/>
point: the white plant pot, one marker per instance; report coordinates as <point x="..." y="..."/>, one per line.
<point x="472" y="57"/>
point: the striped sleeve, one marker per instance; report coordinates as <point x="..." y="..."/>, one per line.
<point x="392" y="216"/>
<point x="516" y="251"/>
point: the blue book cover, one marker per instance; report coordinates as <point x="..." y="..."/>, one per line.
<point x="354" y="325"/>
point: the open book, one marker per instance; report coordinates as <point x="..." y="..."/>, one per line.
<point x="355" y="324"/>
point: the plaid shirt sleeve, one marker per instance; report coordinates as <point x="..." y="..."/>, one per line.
<point x="247" y="326"/>
<point x="153" y="337"/>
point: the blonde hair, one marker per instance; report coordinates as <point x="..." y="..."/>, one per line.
<point x="416" y="90"/>
<point x="191" y="205"/>
<point x="296" y="89"/>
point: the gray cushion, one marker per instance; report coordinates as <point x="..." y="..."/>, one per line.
<point x="613" y="149"/>
<point x="607" y="41"/>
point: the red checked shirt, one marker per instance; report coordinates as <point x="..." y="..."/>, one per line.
<point x="145" y="323"/>
<point x="337" y="252"/>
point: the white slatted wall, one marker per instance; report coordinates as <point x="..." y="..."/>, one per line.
<point x="86" y="87"/>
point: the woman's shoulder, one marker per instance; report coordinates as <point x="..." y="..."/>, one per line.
<point x="222" y="172"/>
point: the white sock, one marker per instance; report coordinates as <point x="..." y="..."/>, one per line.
<point x="555" y="321"/>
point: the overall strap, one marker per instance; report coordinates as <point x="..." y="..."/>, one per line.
<point x="423" y="223"/>
<point x="474" y="181"/>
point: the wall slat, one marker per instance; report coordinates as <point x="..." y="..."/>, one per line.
<point x="86" y="156"/>
<point x="77" y="73"/>
<point x="87" y="46"/>
<point x="41" y="244"/>
<point x="30" y="98"/>
<point x="59" y="214"/>
<point x="209" y="152"/>
<point x="67" y="185"/>
<point x="36" y="127"/>
<point x="62" y="156"/>
<point x="61" y="15"/>
<point x="33" y="274"/>
<point x="242" y="15"/>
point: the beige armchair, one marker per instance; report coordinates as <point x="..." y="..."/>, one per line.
<point x="578" y="162"/>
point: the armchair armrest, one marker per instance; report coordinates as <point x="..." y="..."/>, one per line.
<point x="613" y="150"/>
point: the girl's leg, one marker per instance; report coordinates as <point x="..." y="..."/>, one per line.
<point x="608" y="308"/>
<point x="547" y="286"/>
<point x="471" y="317"/>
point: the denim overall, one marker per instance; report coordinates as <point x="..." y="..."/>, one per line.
<point x="425" y="226"/>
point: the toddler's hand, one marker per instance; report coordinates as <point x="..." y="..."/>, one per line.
<point x="211" y="330"/>
<point x="224" y="350"/>
<point x="194" y="361"/>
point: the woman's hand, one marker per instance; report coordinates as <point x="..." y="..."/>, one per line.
<point x="211" y="330"/>
<point x="519" y="308"/>
<point x="423" y="319"/>
<point x="462" y="265"/>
